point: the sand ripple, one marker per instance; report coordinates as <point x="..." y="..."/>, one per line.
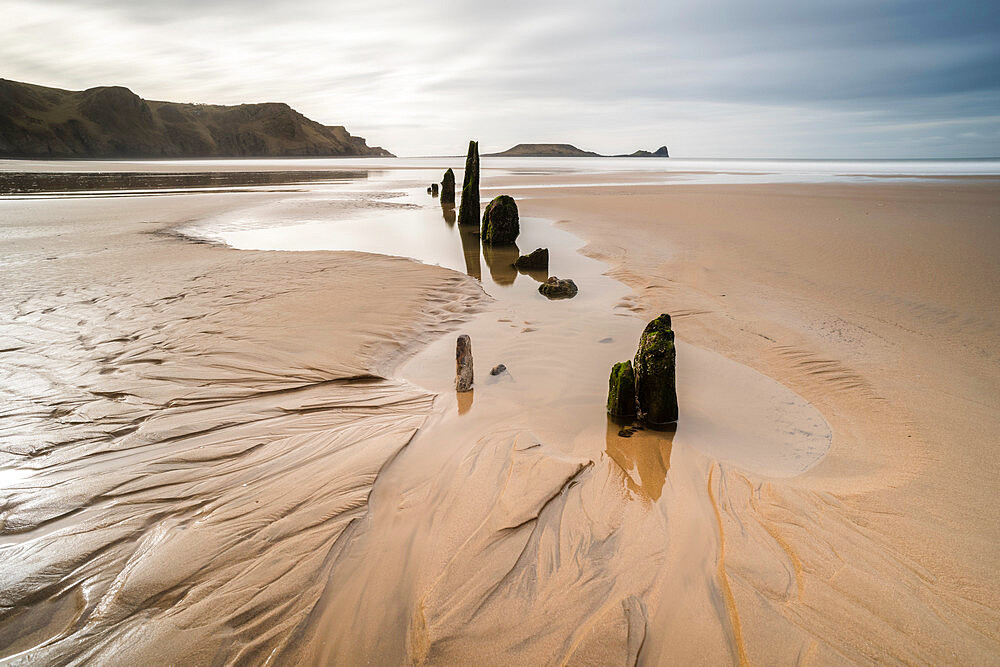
<point x="186" y="433"/>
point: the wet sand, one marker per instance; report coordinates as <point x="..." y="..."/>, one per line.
<point x="879" y="305"/>
<point x="188" y="429"/>
<point x="236" y="455"/>
<point x="661" y="548"/>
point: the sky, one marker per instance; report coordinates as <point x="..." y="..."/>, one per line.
<point x="708" y="78"/>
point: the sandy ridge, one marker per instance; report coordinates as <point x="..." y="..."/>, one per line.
<point x="197" y="427"/>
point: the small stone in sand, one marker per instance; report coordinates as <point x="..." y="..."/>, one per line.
<point x="498" y="369"/>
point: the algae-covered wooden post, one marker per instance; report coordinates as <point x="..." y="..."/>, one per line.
<point x="500" y="222"/>
<point x="468" y="213"/>
<point x="448" y="188"/>
<point x="463" y="363"/>
<point x="621" y="390"/>
<point x="655" y="374"/>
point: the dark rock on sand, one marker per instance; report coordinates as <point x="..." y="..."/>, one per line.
<point x="537" y="259"/>
<point x="448" y="188"/>
<point x="500" y="222"/>
<point x="655" y="374"/>
<point x="463" y="363"/>
<point x="433" y="190"/>
<point x="621" y="390"/>
<point x="557" y="288"/>
<point x="468" y="212"/>
<point x="498" y="369"/>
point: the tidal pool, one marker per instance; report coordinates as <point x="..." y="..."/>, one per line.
<point x="558" y="353"/>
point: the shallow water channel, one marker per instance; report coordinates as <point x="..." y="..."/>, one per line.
<point x="558" y="354"/>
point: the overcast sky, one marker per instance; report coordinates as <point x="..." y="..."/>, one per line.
<point x="723" y="78"/>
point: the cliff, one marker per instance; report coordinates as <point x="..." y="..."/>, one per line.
<point x="114" y="122"/>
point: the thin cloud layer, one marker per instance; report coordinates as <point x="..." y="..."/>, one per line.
<point x="856" y="78"/>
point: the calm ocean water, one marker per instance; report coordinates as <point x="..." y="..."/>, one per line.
<point x="620" y="171"/>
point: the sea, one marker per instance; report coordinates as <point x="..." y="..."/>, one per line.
<point x="620" y="171"/>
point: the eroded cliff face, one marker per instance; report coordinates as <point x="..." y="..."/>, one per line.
<point x="110" y="122"/>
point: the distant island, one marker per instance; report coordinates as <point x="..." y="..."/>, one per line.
<point x="544" y="150"/>
<point x="659" y="152"/>
<point x="114" y="122"/>
<point x="567" y="150"/>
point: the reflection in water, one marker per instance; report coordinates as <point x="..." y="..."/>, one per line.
<point x="500" y="259"/>
<point x="448" y="210"/>
<point x="470" y="246"/>
<point x="465" y="399"/>
<point x="538" y="275"/>
<point x="644" y="458"/>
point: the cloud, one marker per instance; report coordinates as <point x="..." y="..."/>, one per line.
<point x="709" y="77"/>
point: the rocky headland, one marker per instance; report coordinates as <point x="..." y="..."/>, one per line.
<point x="659" y="152"/>
<point x="114" y="122"/>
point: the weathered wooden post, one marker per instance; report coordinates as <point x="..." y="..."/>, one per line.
<point x="463" y="363"/>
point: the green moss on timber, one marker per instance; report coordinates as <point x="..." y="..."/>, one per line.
<point x="468" y="213"/>
<point x="655" y="373"/>
<point x="621" y="390"/>
<point x="500" y="222"/>
<point x="448" y="187"/>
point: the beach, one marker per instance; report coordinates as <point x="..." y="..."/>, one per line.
<point x="875" y="303"/>
<point x="256" y="454"/>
